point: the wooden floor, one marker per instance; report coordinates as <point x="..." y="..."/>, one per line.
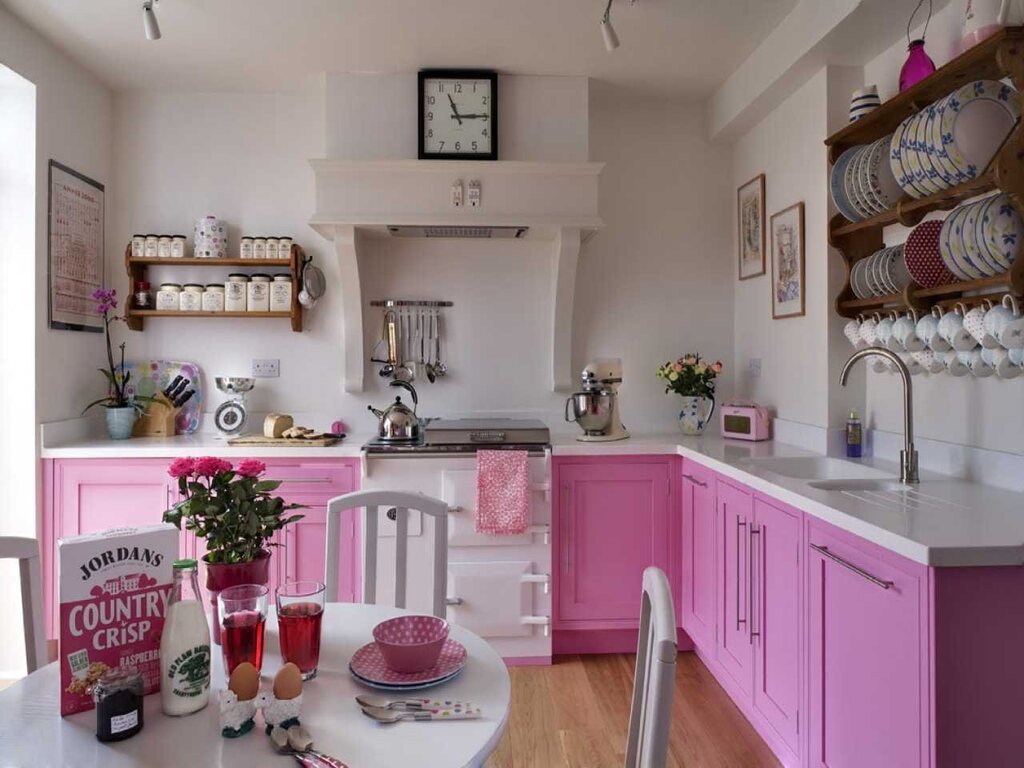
<point x="576" y="713"/>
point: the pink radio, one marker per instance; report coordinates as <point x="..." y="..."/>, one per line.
<point x="745" y="420"/>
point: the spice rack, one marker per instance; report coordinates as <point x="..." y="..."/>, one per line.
<point x="136" y="268"/>
<point x="998" y="57"/>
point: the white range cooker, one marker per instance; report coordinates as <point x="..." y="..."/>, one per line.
<point x="498" y="585"/>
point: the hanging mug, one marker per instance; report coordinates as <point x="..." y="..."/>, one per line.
<point x="1004" y="325"/>
<point x="904" y="333"/>
<point x="951" y="327"/>
<point x="928" y="331"/>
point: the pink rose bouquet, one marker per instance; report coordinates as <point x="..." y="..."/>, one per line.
<point x="690" y="376"/>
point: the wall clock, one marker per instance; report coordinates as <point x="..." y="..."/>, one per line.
<point x="458" y="114"/>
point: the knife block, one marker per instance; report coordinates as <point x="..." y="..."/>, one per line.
<point x="157" y="420"/>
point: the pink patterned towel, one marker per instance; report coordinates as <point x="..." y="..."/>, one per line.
<point x="502" y="491"/>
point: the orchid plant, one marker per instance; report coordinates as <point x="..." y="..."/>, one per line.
<point x="690" y="376"/>
<point x="117" y="377"/>
<point x="231" y="507"/>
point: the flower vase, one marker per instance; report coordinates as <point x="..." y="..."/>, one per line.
<point x="917" y="66"/>
<point x="695" y="415"/>
<point x="120" y="422"/>
<point x="220" y="576"/>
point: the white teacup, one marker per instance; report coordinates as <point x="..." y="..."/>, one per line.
<point x="1000" y="362"/>
<point x="928" y="331"/>
<point x="1004" y="325"/>
<point x="904" y="334"/>
<point x="954" y="365"/>
<point x="976" y="363"/>
<point x="852" y="333"/>
<point x="1016" y="356"/>
<point x="883" y="331"/>
<point x="930" y="361"/>
<point x="951" y="327"/>
<point x="867" y="331"/>
<point x="915" y="367"/>
<point x="974" y="322"/>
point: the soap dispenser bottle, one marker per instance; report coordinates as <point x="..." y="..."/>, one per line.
<point x="854" y="436"/>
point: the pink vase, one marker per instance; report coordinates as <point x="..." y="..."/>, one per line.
<point x="917" y="66"/>
<point x="220" y="576"/>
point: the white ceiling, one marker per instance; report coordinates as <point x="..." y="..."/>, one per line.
<point x="668" y="46"/>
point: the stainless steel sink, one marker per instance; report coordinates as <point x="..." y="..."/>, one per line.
<point x="822" y="468"/>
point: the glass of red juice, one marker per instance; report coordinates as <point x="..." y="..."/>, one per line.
<point x="243" y="616"/>
<point x="300" y="611"/>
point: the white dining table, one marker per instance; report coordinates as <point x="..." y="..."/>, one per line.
<point x="34" y="735"/>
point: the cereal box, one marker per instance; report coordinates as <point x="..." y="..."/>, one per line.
<point x="113" y="594"/>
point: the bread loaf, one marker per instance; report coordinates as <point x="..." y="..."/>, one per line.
<point x="276" y="423"/>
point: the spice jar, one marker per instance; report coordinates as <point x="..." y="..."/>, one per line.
<point x="259" y="247"/>
<point x="179" y="247"/>
<point x="284" y="248"/>
<point x="235" y="292"/>
<point x="163" y="247"/>
<point x="245" y="249"/>
<point x="118" y="698"/>
<point x="151" y="246"/>
<point x="272" y="244"/>
<point x="281" y="293"/>
<point x="138" y="246"/>
<point x="258" y="293"/>
<point x="167" y="298"/>
<point x="191" y="299"/>
<point x="143" y="295"/>
<point x="213" y="298"/>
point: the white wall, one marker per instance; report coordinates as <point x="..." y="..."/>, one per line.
<point x="72" y="125"/>
<point x="984" y="413"/>
<point x="651" y="286"/>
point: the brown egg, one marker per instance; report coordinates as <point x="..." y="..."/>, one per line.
<point x="288" y="682"/>
<point x="245" y="681"/>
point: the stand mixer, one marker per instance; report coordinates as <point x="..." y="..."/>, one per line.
<point x="231" y="414"/>
<point x="596" y="407"/>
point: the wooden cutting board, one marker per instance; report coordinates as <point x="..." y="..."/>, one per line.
<point x="279" y="442"/>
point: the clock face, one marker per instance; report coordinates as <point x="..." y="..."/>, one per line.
<point x="458" y="116"/>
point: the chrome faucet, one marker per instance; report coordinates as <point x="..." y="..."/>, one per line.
<point x="908" y="456"/>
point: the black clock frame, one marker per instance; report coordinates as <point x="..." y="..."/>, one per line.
<point x="475" y="74"/>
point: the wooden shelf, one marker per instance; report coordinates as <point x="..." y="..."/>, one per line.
<point x="998" y="57"/>
<point x="135" y="317"/>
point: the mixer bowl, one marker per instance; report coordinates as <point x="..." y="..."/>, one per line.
<point x="591" y="410"/>
<point x="234" y="385"/>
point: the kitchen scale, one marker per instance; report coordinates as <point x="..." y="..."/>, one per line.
<point x="230" y="415"/>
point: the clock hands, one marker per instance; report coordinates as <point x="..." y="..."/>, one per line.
<point x="474" y="117"/>
<point x="455" y="111"/>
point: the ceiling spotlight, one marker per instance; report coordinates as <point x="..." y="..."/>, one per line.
<point x="149" y="21"/>
<point x="611" y="40"/>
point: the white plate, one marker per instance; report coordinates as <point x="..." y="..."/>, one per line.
<point x="853" y="186"/>
<point x="837" y="185"/>
<point x="976" y="120"/>
<point x="954" y="245"/>
<point x="871" y="275"/>
<point x="883" y="183"/>
<point x="886" y="262"/>
<point x="867" y="192"/>
<point x="858" y="282"/>
<point x="944" y="250"/>
<point x="973" y="252"/>
<point x="900" y="274"/>
<point x="950" y="175"/>
<point x="1001" y="231"/>
<point x="898" y="160"/>
<point x="924" y="175"/>
<point x="415" y="687"/>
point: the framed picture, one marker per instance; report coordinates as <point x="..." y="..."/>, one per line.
<point x="788" y="262"/>
<point x="75" y="243"/>
<point x="750" y="213"/>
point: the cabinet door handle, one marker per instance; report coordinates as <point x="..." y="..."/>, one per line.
<point x="739" y="524"/>
<point x="695" y="481"/>
<point x="751" y="571"/>
<point x="826" y="552"/>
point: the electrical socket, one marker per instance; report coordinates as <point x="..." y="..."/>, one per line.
<point x="457" y="194"/>
<point x="474" y="194"/>
<point x="266" y="369"/>
<point x="754" y="367"/>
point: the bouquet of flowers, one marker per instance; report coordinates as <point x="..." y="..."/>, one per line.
<point x="690" y="376"/>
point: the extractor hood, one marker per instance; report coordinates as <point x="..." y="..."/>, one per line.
<point x="464" y="232"/>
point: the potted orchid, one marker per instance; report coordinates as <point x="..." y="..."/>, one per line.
<point x="694" y="380"/>
<point x="122" y="408"/>
<point x="235" y="511"/>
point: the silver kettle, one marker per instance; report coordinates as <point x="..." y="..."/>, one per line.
<point x="398" y="422"/>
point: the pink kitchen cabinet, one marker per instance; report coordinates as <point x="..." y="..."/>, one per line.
<point x="734" y="650"/>
<point x="698" y="601"/>
<point x="868" y="651"/>
<point x="613" y="521"/>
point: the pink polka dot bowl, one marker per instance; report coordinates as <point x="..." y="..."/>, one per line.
<point x="411" y="643"/>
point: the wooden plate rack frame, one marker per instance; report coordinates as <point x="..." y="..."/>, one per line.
<point x="998" y="57"/>
<point x="135" y="317"/>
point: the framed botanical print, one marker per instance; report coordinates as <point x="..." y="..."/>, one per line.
<point x="788" y="262"/>
<point x="750" y="215"/>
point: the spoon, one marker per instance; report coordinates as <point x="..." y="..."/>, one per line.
<point x="308" y="756"/>
<point x="382" y="715"/>
<point x="383" y="702"/>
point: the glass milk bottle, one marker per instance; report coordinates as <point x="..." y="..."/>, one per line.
<point x="184" y="646"/>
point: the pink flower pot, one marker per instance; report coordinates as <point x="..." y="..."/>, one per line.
<point x="220" y="576"/>
<point x="411" y="643"/>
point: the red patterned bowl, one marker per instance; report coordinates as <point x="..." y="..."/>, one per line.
<point x="411" y="643"/>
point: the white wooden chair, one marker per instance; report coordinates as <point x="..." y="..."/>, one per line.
<point x="26" y="552"/>
<point x="654" y="682"/>
<point x="402" y="502"/>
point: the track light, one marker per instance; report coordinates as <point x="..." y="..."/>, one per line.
<point x="149" y="21"/>
<point x="611" y="39"/>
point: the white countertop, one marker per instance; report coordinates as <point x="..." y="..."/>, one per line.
<point x="943" y="521"/>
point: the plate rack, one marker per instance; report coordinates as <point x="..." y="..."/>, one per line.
<point x="998" y="57"/>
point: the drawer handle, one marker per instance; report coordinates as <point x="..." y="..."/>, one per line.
<point x="453" y="601"/>
<point x="826" y="552"/>
<point x="307" y="480"/>
<point x="695" y="481"/>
